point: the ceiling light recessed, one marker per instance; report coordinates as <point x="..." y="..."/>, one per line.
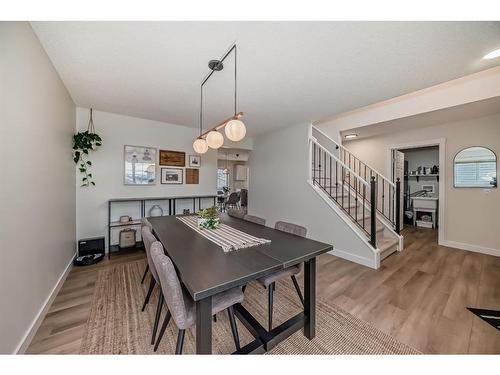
<point x="350" y="136"/>
<point x="492" y="55"/>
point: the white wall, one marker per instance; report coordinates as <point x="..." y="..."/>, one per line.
<point x="37" y="199"/>
<point x="107" y="170"/>
<point x="279" y="190"/>
<point x="471" y="215"/>
<point x="422" y="157"/>
<point x="472" y="88"/>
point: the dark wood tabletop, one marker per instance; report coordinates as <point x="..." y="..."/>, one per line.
<point x="205" y="269"/>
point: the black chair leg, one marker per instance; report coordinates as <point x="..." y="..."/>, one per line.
<point x="180" y="341"/>
<point x="145" y="273"/>
<point x="162" y="330"/>
<point x="157" y="317"/>
<point x="234" y="327"/>
<point x="270" y="290"/>
<point x="297" y="288"/>
<point x="148" y="296"/>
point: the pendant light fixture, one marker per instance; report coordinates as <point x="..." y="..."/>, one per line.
<point x="234" y="128"/>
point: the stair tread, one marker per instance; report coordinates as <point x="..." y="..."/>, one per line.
<point x="385" y="243"/>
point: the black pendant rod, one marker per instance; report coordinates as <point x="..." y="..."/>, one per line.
<point x="231" y="49"/>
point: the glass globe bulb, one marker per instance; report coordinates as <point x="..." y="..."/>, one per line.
<point x="200" y="146"/>
<point x="235" y="130"/>
<point x="215" y="139"/>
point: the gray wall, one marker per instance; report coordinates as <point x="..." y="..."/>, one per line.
<point x="470" y="214"/>
<point x="37" y="200"/>
<point x="279" y="190"/>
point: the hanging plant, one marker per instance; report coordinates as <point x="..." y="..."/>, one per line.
<point x="83" y="143"/>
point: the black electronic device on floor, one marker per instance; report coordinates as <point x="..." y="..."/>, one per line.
<point x="90" y="251"/>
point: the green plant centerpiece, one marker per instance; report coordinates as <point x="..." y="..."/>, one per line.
<point x="83" y="143"/>
<point x="209" y="218"/>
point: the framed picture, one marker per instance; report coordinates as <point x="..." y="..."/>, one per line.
<point x="172" y="158"/>
<point x="192" y="176"/>
<point x="139" y="165"/>
<point x="194" y="161"/>
<point x="172" y="175"/>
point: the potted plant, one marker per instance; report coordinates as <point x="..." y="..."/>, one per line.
<point x="83" y="143"/>
<point x="209" y="218"/>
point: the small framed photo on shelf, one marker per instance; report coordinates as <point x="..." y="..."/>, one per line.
<point x="172" y="175"/>
<point x="194" y="161"/>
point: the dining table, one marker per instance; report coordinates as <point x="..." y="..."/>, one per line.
<point x="206" y="270"/>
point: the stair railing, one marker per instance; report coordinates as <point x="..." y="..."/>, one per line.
<point x="355" y="196"/>
<point x="388" y="193"/>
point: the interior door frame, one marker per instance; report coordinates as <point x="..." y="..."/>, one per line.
<point x="441" y="143"/>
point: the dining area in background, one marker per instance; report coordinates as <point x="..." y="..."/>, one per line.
<point x="204" y="270"/>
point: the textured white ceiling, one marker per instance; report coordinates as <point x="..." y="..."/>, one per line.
<point x="289" y="72"/>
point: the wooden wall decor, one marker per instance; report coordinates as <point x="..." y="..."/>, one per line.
<point x="192" y="176"/>
<point x="172" y="158"/>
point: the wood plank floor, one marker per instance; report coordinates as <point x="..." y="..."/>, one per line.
<point x="419" y="296"/>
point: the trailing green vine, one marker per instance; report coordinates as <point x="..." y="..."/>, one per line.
<point x="83" y="143"/>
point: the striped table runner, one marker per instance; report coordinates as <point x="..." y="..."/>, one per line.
<point x="225" y="236"/>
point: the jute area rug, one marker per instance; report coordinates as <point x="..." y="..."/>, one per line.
<point x="116" y="324"/>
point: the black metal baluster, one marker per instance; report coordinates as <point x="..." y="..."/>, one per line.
<point x="373" y="216"/>
<point x="331" y="182"/>
<point x="364" y="201"/>
<point x="314" y="163"/>
<point x="336" y="181"/>
<point x="356" y="199"/>
<point x="342" y="182"/>
<point x="324" y="166"/>
<point x="319" y="167"/>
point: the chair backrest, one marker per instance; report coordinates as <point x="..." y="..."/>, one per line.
<point x="255" y="219"/>
<point x="291" y="228"/>
<point x="170" y="286"/>
<point x="145" y="223"/>
<point x="240" y="214"/>
<point x="233" y="198"/>
<point x="244" y="197"/>
<point x="148" y="238"/>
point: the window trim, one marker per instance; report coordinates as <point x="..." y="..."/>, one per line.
<point x="474" y="186"/>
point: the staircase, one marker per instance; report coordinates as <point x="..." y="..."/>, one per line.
<point x="365" y="199"/>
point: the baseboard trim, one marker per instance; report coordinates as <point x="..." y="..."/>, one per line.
<point x="30" y="333"/>
<point x="372" y="263"/>
<point x="469" y="247"/>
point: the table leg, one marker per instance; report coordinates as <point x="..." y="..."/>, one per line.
<point x="310" y="298"/>
<point x="204" y="326"/>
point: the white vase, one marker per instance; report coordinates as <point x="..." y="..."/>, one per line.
<point x="155" y="211"/>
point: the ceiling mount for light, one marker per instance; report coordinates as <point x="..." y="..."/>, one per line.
<point x="492" y="55"/>
<point x="234" y="128"/>
<point x="216" y="65"/>
<point x="350" y="136"/>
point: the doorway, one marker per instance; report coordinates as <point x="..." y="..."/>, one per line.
<point x="420" y="167"/>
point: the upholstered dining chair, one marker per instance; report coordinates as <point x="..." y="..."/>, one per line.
<point x="145" y="223"/>
<point x="269" y="281"/>
<point x="149" y="239"/>
<point x="239" y="214"/>
<point x="181" y="307"/>
<point x="244" y="198"/>
<point x="255" y="219"/>
<point x="232" y="200"/>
